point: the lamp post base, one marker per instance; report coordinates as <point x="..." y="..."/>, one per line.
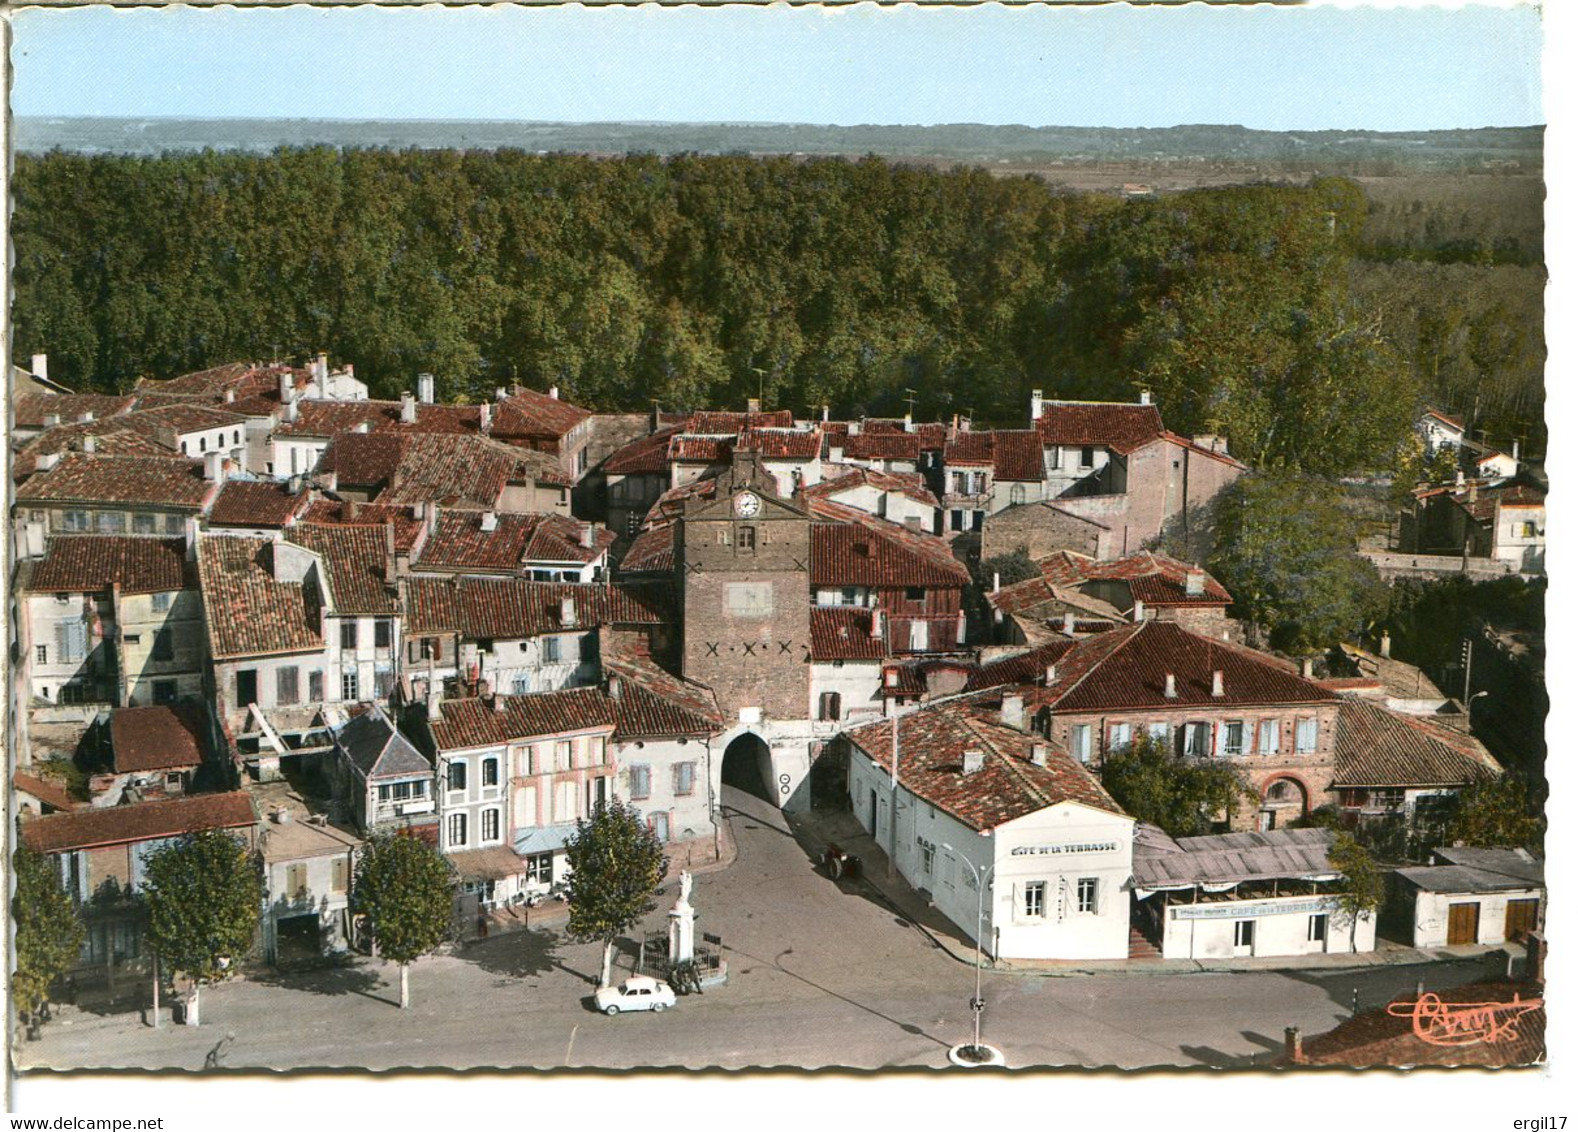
<point x="967" y="1055"/>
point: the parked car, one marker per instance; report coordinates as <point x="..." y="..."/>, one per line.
<point x="639" y="992"/>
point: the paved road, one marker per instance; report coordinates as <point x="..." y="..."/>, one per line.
<point x="820" y="975"/>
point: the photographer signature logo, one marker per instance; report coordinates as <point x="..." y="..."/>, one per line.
<point x="1464" y="1023"/>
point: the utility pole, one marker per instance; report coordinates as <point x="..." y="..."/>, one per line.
<point x="1468" y="666"/>
<point x="893" y="797"/>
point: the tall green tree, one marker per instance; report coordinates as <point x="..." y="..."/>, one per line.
<point x="48" y="933"/>
<point x="1286" y="551"/>
<point x="616" y="864"/>
<point x="406" y="889"/>
<point x="1495" y="815"/>
<point x="1362" y="886"/>
<point x="204" y="893"/>
<point x="1180" y="795"/>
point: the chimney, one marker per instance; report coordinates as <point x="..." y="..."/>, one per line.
<point x="85" y="417"/>
<point x="230" y="396"/>
<point x="501" y="394"/>
<point x="424" y="388"/>
<point x="90" y="444"/>
<point x="490" y="521"/>
<point x="41" y="366"/>
<point x="1139" y="610"/>
<point x="51" y="420"/>
<point x="1068" y="622"/>
<point x="348" y="509"/>
<point x="964" y="424"/>
<point x="363" y="426"/>
<point x="876" y="623"/>
<point x="1014" y="712"/>
<point x="588" y="536"/>
<point x="1170" y="690"/>
<point x="1036" y="405"/>
<point x="824" y="414"/>
<point x="614" y="691"/>
<point x="553" y="391"/>
<point x="290" y="412"/>
<point x="1038" y="754"/>
<point x="499" y="703"/>
<point x="567" y="617"/>
<point x="287" y="387"/>
<point x="1307" y="668"/>
<point x="1145" y="396"/>
<point x="407" y="408"/>
<point x="1194" y="583"/>
<point x="997" y="581"/>
<point x="909" y="423"/>
<point x="974" y="761"/>
<point x="1473" y="492"/>
<point x="1293" y="1045"/>
<point x="913" y="523"/>
<point x="1386" y="644"/>
<point x="214" y="466"/>
<point x="1051" y="675"/>
<point x="1458" y="479"/>
<point x="46" y="461"/>
<point x="1514" y="451"/>
<point x="753" y="405"/>
<point x="1216" y="684"/>
<point x="960" y="629"/>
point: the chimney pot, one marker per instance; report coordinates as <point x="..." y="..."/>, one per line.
<point x="424" y="388"/>
<point x="1293" y="1044"/>
<point x="407" y="408"/>
<point x="974" y="761"/>
<point x="553" y="391"/>
<point x="1037" y="405"/>
<point x="824" y="414"/>
<point x="1145" y="396"/>
<point x="1170" y="689"/>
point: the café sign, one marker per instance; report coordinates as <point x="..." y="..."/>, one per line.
<point x="1238" y="910"/>
<point x="1059" y="850"/>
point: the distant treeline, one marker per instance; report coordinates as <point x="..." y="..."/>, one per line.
<point x="703" y="280"/>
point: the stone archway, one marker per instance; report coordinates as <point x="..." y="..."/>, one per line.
<point x="748" y="766"/>
<point x="1283" y="800"/>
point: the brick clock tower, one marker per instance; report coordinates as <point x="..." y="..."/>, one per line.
<point x="744" y="557"/>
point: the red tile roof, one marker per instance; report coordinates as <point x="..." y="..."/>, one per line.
<point x="247" y="611"/>
<point x="110" y="437"/>
<point x="356" y="559"/>
<point x="144" y="821"/>
<point x="716" y="423"/>
<point x="1022" y="595"/>
<point x="843" y="478"/>
<point x="526" y="414"/>
<point x="1445" y="419"/>
<point x="334" y="512"/>
<point x="47" y="791"/>
<point x="931" y="437"/>
<point x="882" y="446"/>
<point x="1154" y="579"/>
<point x="783" y="443"/>
<point x="1127" y="667"/>
<point x="865" y="551"/>
<point x="330" y="418"/>
<point x="363" y="459"/>
<point x="646" y="456"/>
<point x="1017" y="455"/>
<point x="649" y="702"/>
<point x="458" y="542"/>
<point x="506" y="608"/>
<point x="152" y="481"/>
<point x="478" y="723"/>
<point x="1022" y="668"/>
<point x="652" y="552"/>
<point x="91" y="563"/>
<point x="187" y="418"/>
<point x="1121" y="427"/>
<point x="30" y="409"/>
<point x="970" y="448"/>
<point x="1483" y="506"/>
<point x="844" y="633"/>
<point x="157" y="738"/>
<point x="255" y="503"/>
<point x="687" y="449"/>
<point x="1009" y="785"/>
<point x="1379" y="747"/>
<point x="203" y="383"/>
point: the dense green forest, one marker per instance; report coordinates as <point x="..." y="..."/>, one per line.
<point x="1294" y="319"/>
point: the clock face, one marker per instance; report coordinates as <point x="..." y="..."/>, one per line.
<point x="747" y="504"/>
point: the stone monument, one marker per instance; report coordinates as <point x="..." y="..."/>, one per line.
<point x="682" y="924"/>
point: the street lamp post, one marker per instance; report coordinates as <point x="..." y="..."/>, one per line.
<point x="977" y="1005"/>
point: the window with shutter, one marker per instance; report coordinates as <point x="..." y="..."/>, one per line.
<point x="340" y="875"/>
<point x="287" y="690"/>
<point x="1270" y="736"/>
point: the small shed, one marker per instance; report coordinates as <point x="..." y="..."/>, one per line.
<point x="1469" y="896"/>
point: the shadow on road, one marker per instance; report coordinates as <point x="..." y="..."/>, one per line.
<point x="351" y="978"/>
<point x="1376" y="986"/>
<point x="778" y="965"/>
<point x="525" y="954"/>
<point x="1216" y="1059"/>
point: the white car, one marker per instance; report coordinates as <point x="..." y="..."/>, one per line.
<point x="639" y="992"/>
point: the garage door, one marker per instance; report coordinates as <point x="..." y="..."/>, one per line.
<point x="1523" y="916"/>
<point x="1463" y="923"/>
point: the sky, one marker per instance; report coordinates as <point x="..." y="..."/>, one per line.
<point x="1332" y="67"/>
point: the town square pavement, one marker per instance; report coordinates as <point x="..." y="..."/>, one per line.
<point x="820" y="974"/>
